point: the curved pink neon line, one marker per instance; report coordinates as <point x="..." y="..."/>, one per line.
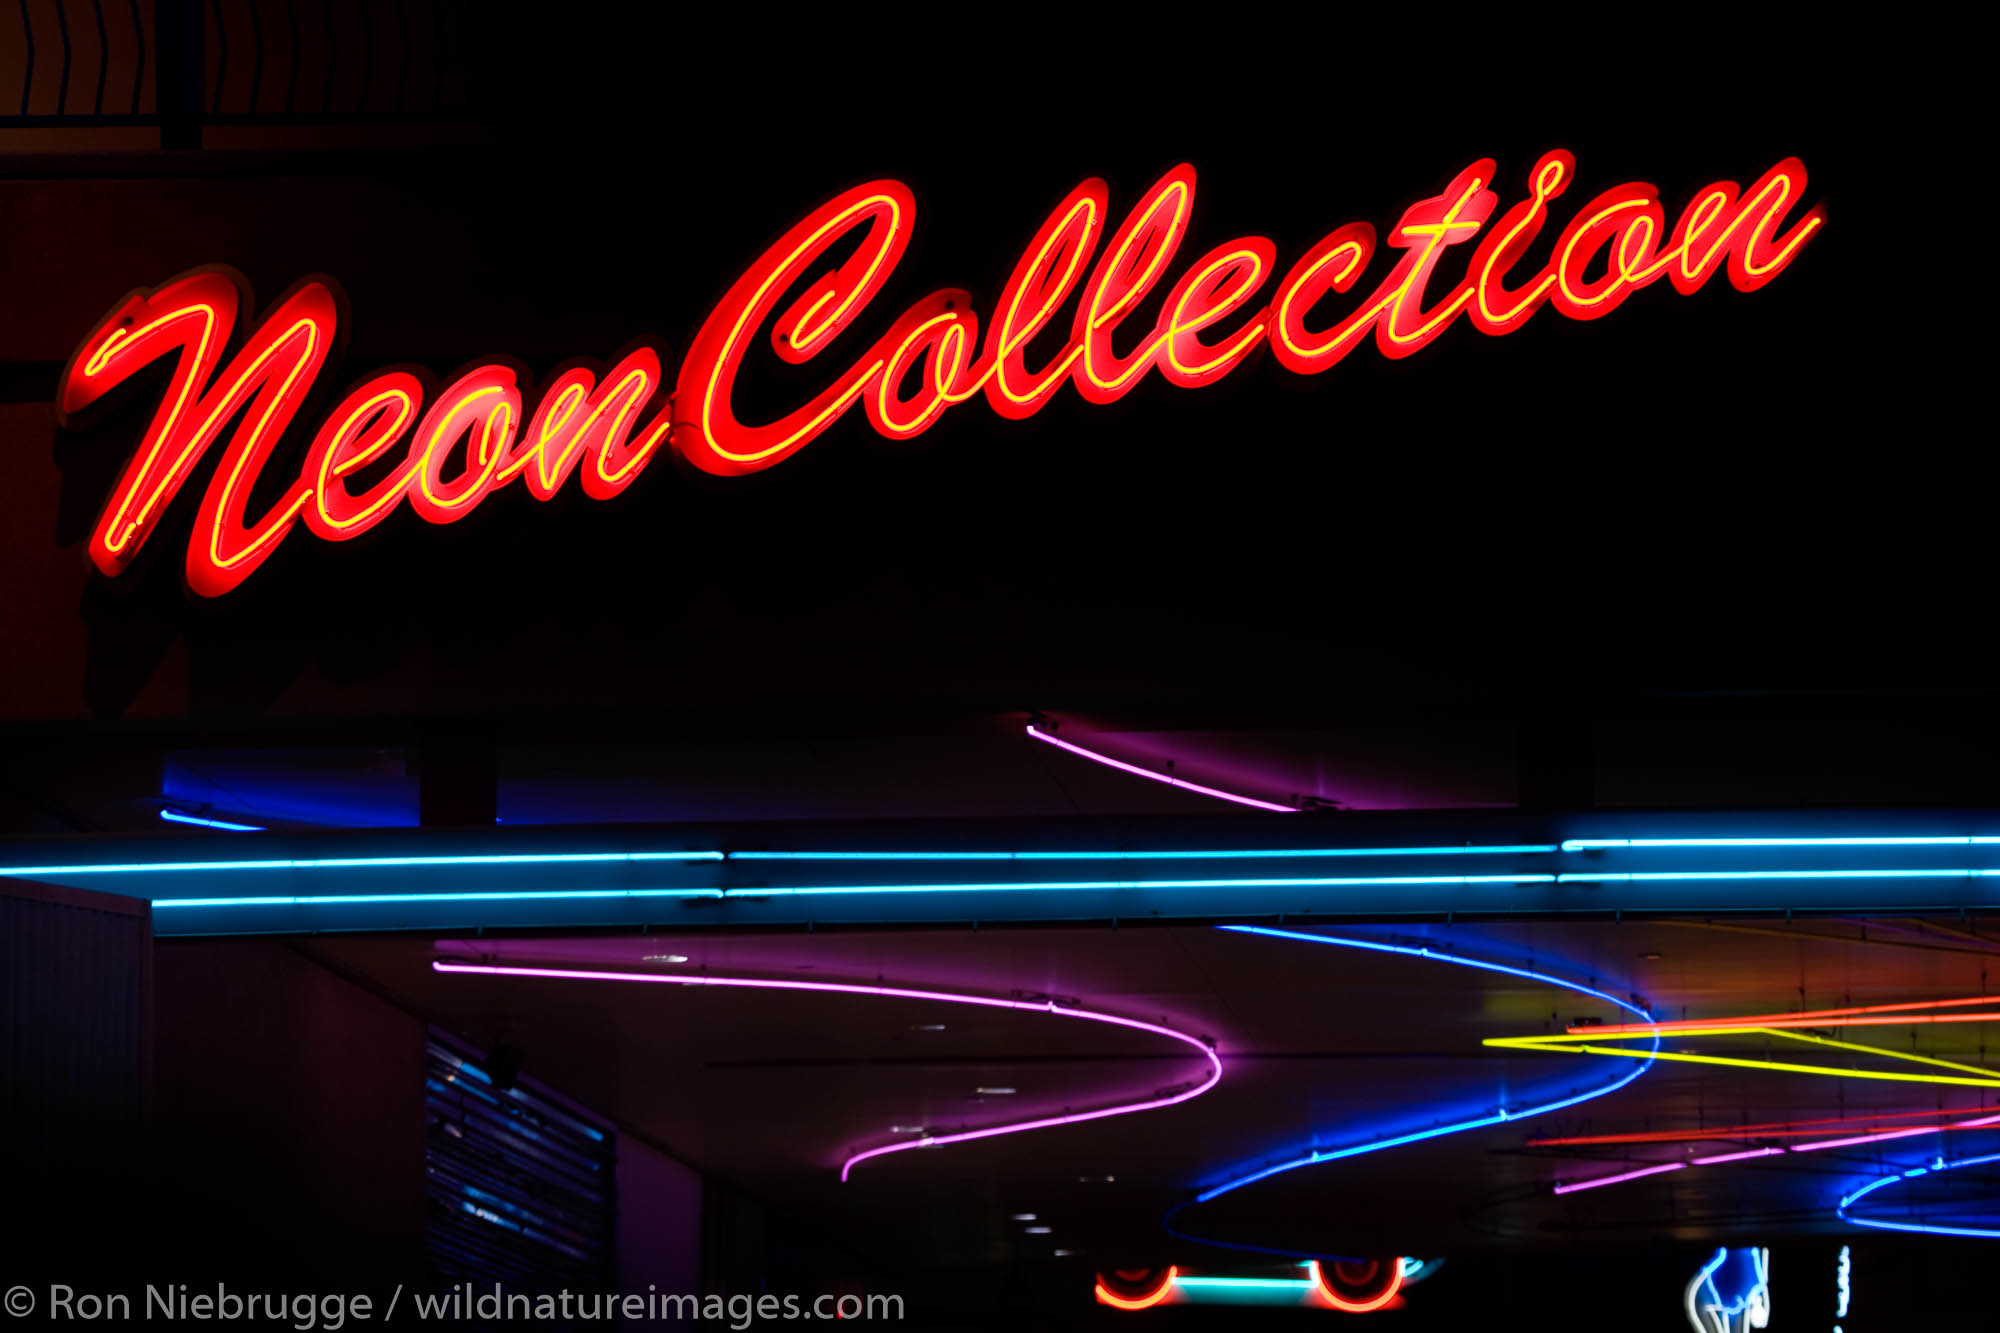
<point x="901" y="993"/>
<point x="1167" y="778"/>
<point x="1850" y="1141"/>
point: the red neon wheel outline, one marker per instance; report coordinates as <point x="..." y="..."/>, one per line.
<point x="1339" y="1302"/>
<point x="1154" y="1297"/>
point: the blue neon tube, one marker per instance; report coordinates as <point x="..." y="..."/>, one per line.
<point x="202" y="821"/>
<point x="1499" y="1115"/>
<point x="1925" y="1228"/>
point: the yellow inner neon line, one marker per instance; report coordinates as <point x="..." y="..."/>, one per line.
<point x="1877" y="1050"/>
<point x="1567" y="1042"/>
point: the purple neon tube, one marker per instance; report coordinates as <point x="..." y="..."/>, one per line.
<point x="1167" y="778"/>
<point x="1214" y="1074"/>
<point x="1849" y="1142"/>
<point x="1622" y="1176"/>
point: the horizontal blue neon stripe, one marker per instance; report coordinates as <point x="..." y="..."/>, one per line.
<point x="1072" y="885"/>
<point x="787" y="891"/>
<point x="202" y="821"/>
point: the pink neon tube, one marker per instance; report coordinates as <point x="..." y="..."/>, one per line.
<point x="897" y="992"/>
<point x="1848" y="1142"/>
<point x="1167" y="778"/>
<point x="1622" y="1176"/>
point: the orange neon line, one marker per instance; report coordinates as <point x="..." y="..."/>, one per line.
<point x="1775" y="1020"/>
<point x="1873" y="1021"/>
<point x="1779" y="1129"/>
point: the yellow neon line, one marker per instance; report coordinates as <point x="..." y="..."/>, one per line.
<point x="1877" y="1050"/>
<point x="1561" y="1041"/>
<point x="1777" y="1066"/>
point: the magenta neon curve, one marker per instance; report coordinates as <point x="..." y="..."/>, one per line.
<point x="1166" y="1098"/>
<point x="1168" y="778"/>
<point x="1845" y="1141"/>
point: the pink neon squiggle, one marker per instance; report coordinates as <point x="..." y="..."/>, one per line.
<point x="1735" y="1156"/>
<point x="1214" y="1075"/>
<point x="1622" y="1176"/>
<point x="1848" y="1142"/>
<point x="1893" y="1134"/>
<point x="1167" y="778"/>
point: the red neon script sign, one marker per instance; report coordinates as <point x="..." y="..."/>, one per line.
<point x="462" y="441"/>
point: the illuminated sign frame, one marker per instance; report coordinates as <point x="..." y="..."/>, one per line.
<point x="476" y="434"/>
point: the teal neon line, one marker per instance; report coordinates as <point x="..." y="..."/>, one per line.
<point x="1633" y="877"/>
<point x="1030" y="886"/>
<point x="1211" y="855"/>
<point x="818" y="890"/>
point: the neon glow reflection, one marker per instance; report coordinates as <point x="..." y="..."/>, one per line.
<point x="1165" y="1097"/>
